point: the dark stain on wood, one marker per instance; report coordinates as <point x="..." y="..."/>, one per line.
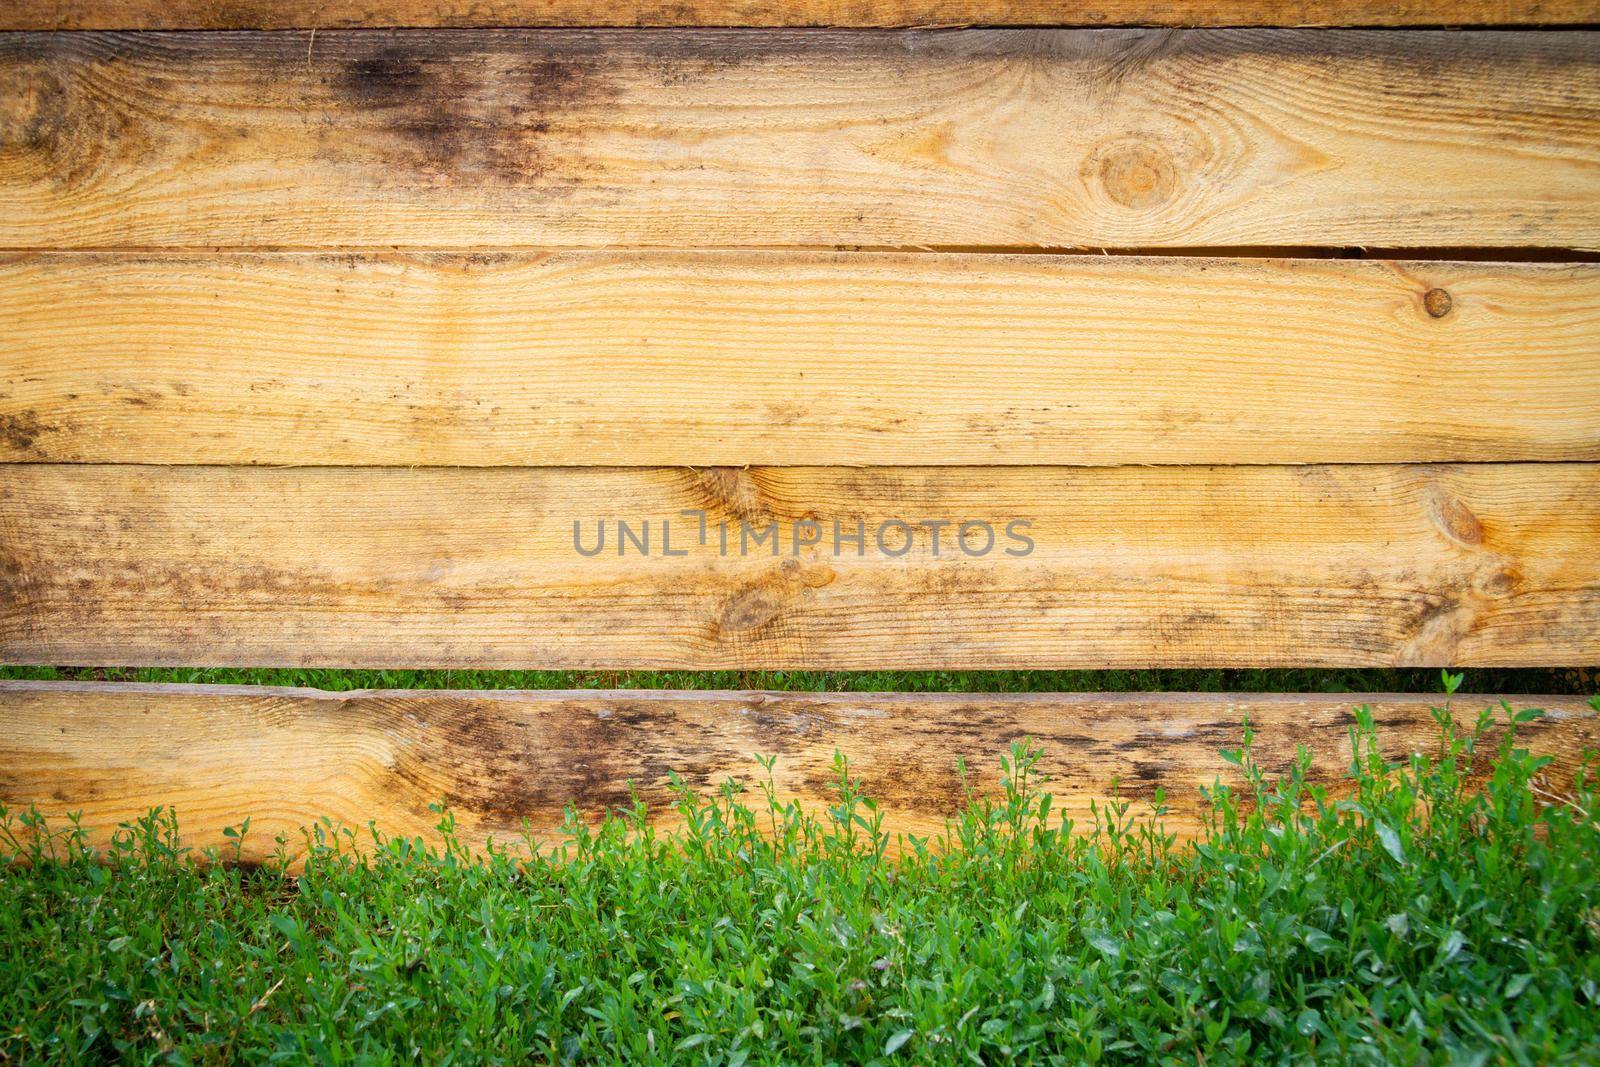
<point x="391" y="78"/>
<point x="51" y="113"/>
<point x="458" y="114"/>
<point x="499" y="760"/>
<point x="19" y="431"/>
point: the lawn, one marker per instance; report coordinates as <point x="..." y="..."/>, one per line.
<point x="1443" y="910"/>
<point x="1563" y="680"/>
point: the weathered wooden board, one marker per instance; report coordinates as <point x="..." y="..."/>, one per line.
<point x="731" y="358"/>
<point x="287" y="757"/>
<point x="328" y="14"/>
<point x="1487" y="564"/>
<point x="998" y="138"/>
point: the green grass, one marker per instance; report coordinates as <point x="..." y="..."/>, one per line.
<point x="1301" y="928"/>
<point x="1558" y="681"/>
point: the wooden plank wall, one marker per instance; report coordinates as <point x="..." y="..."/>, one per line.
<point x="1019" y="139"/>
<point x="321" y="330"/>
<point x="288" y="757"/>
<point x="1365" y="565"/>
<point x="799" y="358"/>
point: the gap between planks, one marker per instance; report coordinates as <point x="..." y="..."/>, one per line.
<point x="1420" y="254"/>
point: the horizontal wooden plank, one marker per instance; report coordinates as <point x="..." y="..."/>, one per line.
<point x="331" y="14"/>
<point x="474" y="139"/>
<point x="733" y="358"/>
<point x="1483" y="564"/>
<point x="285" y="758"/>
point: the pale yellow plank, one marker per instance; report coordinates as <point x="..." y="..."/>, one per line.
<point x="286" y="758"/>
<point x="792" y="358"/>
<point x="1008" y="138"/>
<point x="1487" y="564"/>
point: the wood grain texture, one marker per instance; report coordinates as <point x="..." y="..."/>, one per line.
<point x="285" y="758"/>
<point x="1482" y="564"/>
<point x="672" y="358"/>
<point x="330" y="14"/>
<point x="1007" y="138"/>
